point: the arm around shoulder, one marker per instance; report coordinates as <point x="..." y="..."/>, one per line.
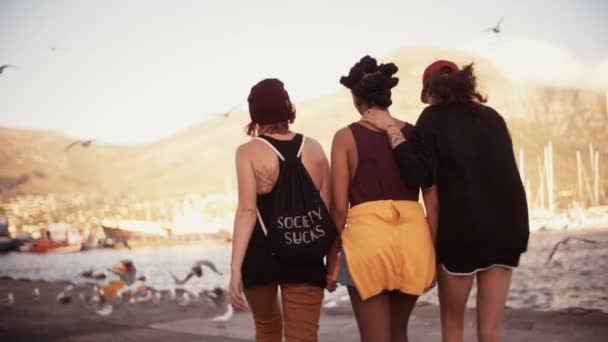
<point x="416" y="157"/>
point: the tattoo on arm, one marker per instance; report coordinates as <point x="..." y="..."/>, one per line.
<point x="395" y="136"/>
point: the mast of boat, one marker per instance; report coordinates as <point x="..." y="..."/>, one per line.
<point x="592" y="172"/>
<point x="540" y="195"/>
<point x="579" y="178"/>
<point x="596" y="179"/>
<point x="588" y="199"/>
<point x="601" y="180"/>
<point x="549" y="170"/>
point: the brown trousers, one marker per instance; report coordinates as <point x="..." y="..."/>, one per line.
<point x="301" y="312"/>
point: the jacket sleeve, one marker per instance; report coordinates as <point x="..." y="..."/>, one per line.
<point x="416" y="157"/>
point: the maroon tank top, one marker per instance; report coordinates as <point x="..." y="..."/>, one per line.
<point x="377" y="176"/>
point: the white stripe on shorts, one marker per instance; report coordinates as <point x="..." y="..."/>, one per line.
<point x="477" y="270"/>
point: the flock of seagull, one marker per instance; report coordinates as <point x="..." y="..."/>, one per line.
<point x="132" y="290"/>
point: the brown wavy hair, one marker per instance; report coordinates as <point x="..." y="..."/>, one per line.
<point x="253" y="129"/>
<point x="456" y="87"/>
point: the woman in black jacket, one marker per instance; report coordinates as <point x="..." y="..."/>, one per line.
<point x="463" y="148"/>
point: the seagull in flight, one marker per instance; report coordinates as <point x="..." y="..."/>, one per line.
<point x="83" y="143"/>
<point x="565" y="241"/>
<point x="6" y="66"/>
<point x="126" y="271"/>
<point x="209" y="264"/>
<point x="496" y="29"/>
<point x="196" y="270"/>
<point x="54" y="48"/>
<point x="231" y="110"/>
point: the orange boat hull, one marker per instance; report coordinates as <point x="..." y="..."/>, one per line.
<point x="48" y="246"/>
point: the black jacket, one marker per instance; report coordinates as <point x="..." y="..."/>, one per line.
<point x="467" y="151"/>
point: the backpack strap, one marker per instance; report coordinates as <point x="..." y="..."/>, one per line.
<point x="272" y="147"/>
<point x="301" y="146"/>
<point x="282" y="157"/>
<point x="262" y="222"/>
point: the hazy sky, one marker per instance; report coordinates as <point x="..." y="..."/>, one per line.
<point x="135" y="71"/>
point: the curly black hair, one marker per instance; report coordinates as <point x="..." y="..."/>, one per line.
<point x="372" y="82"/>
<point x="457" y="87"/>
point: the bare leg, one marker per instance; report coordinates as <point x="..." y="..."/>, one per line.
<point x="373" y="316"/>
<point x="453" y="294"/>
<point x="492" y="289"/>
<point x="401" y="306"/>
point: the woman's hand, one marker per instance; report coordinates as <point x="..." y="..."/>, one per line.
<point x="331" y="283"/>
<point x="236" y="291"/>
<point x="332" y="265"/>
<point x="331" y="276"/>
<point x="378" y="118"/>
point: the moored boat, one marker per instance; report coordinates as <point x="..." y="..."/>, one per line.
<point x="133" y="232"/>
<point x="58" y="238"/>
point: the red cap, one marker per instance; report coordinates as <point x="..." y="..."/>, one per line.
<point x="437" y="68"/>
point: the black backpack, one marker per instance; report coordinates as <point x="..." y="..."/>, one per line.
<point x="298" y="228"/>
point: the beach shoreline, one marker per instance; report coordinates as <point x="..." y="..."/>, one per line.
<point x="48" y="320"/>
<point x="576" y="276"/>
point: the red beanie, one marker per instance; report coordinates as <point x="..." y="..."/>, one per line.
<point x="269" y="102"/>
<point x="437" y="68"/>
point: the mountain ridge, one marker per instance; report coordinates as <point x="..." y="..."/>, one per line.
<point x="201" y="158"/>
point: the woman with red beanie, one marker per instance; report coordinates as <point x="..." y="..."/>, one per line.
<point x="464" y="149"/>
<point x="258" y="269"/>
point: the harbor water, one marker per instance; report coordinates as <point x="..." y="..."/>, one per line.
<point x="575" y="278"/>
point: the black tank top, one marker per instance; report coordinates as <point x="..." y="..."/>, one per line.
<point x="260" y="266"/>
<point x="377" y="176"/>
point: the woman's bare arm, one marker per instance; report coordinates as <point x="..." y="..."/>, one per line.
<point x="340" y="178"/>
<point x="246" y="212"/>
<point x="415" y="155"/>
<point x="382" y="120"/>
<point x="323" y="164"/>
<point x="395" y="135"/>
<point x="244" y="222"/>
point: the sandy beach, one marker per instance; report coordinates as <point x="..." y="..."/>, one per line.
<point x="559" y="301"/>
<point x="49" y="320"/>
